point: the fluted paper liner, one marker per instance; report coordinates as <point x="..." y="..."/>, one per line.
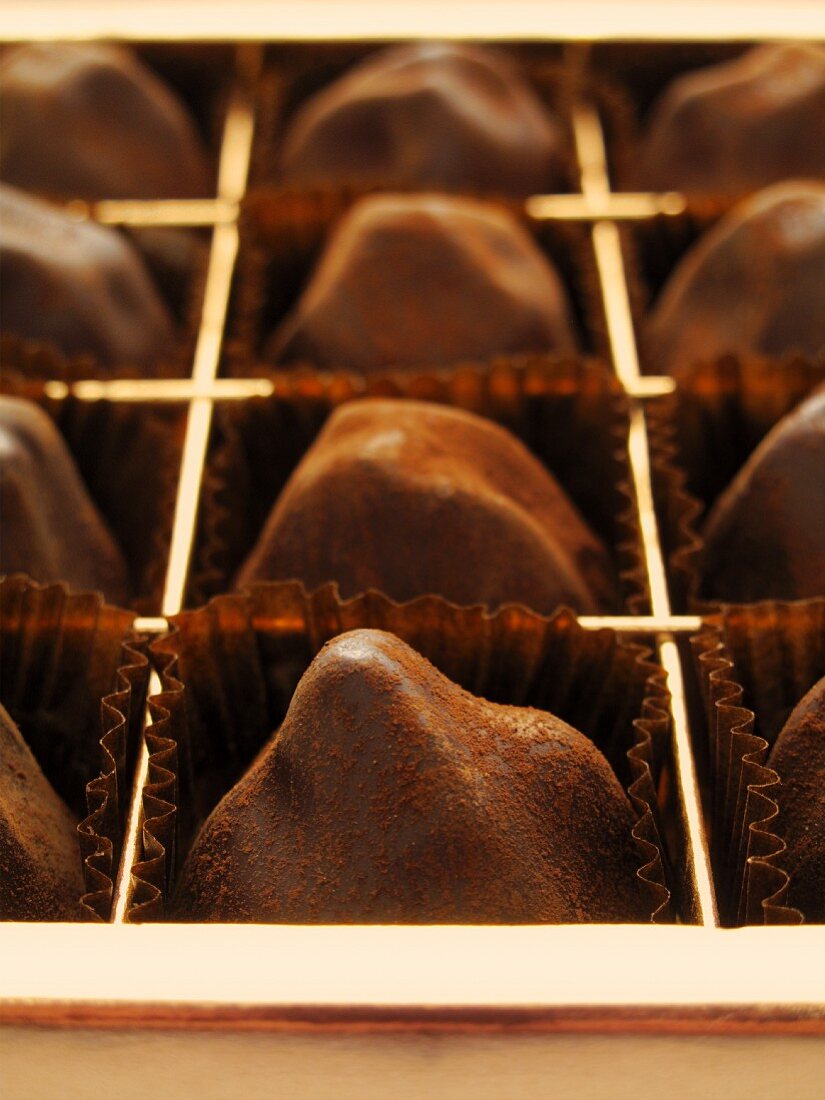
<point x="571" y="414"/>
<point x="701" y="436"/>
<point x="73" y="677"/>
<point x="229" y="671"/>
<point x="128" y="455"/>
<point x="755" y="663"/>
<point x="283" y="233"/>
<point x="296" y="73"/>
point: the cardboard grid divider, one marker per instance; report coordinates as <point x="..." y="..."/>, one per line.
<point x="206" y="390"/>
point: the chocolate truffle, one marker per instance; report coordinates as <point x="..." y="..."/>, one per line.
<point x="428" y="115"/>
<point x="799" y="759"/>
<point x="51" y="529"/>
<point x="77" y="285"/>
<point x="41" y="876"/>
<point x="90" y="121"/>
<point x="389" y="794"/>
<point x="754" y="284"/>
<point x="765" y="535"/>
<point x="739" y="126"/>
<point x="412" y="498"/>
<point x="416" y="281"/>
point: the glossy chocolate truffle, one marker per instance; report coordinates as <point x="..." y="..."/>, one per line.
<point x="90" y="121"/>
<point x="389" y="794"/>
<point x="41" y="876"/>
<point x="740" y="125"/>
<point x="765" y="535"/>
<point x="77" y="285"/>
<point x="412" y="498"/>
<point x="799" y="759"/>
<point x="52" y="531"/>
<point x="754" y="285"/>
<point x="417" y="281"/>
<point x="428" y="115"/>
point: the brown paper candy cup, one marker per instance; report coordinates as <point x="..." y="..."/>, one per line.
<point x="128" y="456"/>
<point x="229" y="671"/>
<point x="755" y="663"/>
<point x="74" y="677"/>
<point x="571" y="414"/>
<point x="701" y="436"/>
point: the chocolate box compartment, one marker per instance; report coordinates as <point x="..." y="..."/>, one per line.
<point x="177" y="259"/>
<point x="652" y="250"/>
<point x="128" y="455"/>
<point x="74" y="678"/>
<point x="283" y="237"/>
<point x="199" y="74"/>
<point x="702" y="435"/>
<point x="636" y="73"/>
<point x="295" y="72"/>
<point x="571" y="414"/>
<point x="230" y="669"/>
<point x="754" y="664"/>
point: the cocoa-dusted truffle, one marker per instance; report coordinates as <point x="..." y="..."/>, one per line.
<point x="412" y="498"/>
<point x="753" y="284"/>
<point x="41" y="875"/>
<point x="798" y="756"/>
<point x="765" y="535"/>
<point x="741" y="125"/>
<point x="389" y="794"/>
<point x="77" y="285"/>
<point x="51" y="528"/>
<point x="90" y="121"/>
<point x="428" y="115"/>
<point x="425" y="281"/>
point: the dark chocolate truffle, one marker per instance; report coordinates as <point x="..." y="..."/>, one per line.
<point x="741" y="125"/>
<point x="765" y="536"/>
<point x="754" y="285"/>
<point x="428" y="115"/>
<point x="412" y="498"/>
<point x="51" y="529"/>
<point x="799" y="759"/>
<point x="90" y="121"/>
<point x="41" y="875"/>
<point x="77" y="285"/>
<point x="425" y="281"/>
<point x="389" y="794"/>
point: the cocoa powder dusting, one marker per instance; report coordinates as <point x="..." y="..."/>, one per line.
<point x="424" y="281"/>
<point x="411" y="498"/>
<point x="40" y="868"/>
<point x="390" y="794"/>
